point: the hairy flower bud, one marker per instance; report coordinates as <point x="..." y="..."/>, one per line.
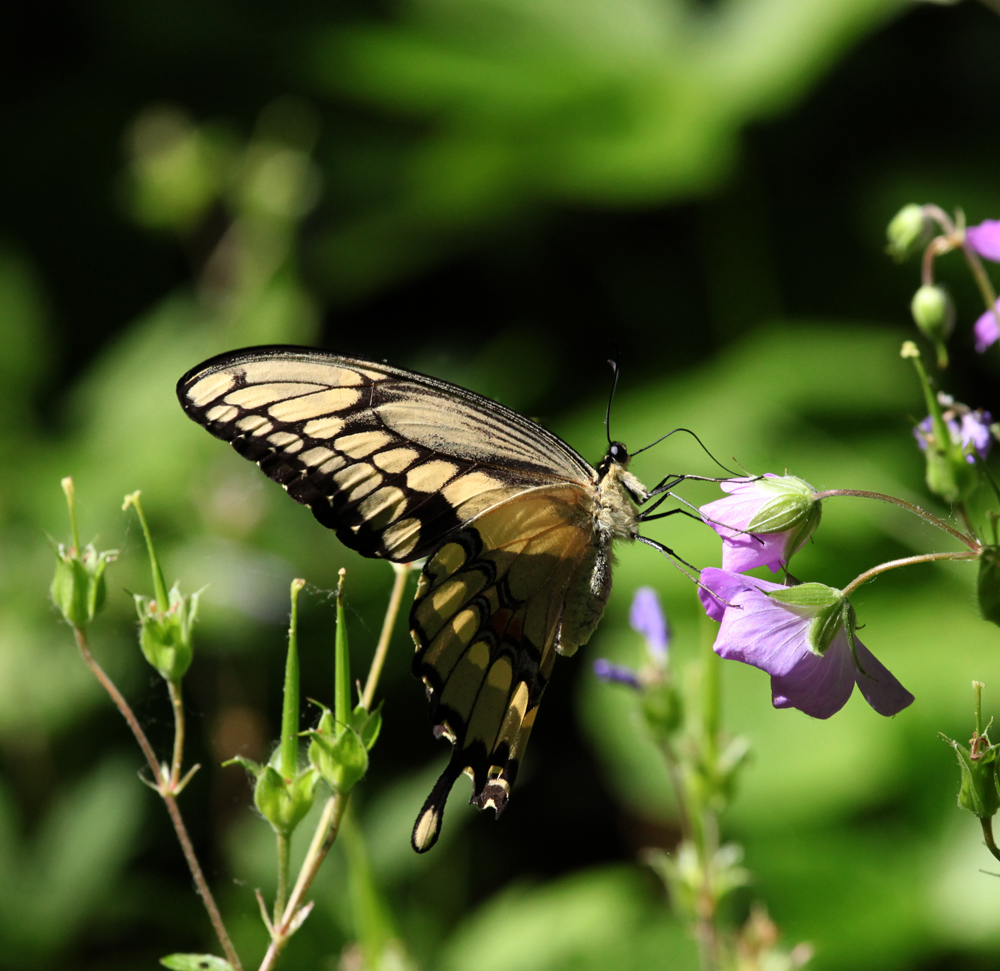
<point x="934" y="314"/>
<point x="908" y="231"/>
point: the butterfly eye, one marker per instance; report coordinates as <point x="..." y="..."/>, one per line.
<point x="618" y="452"/>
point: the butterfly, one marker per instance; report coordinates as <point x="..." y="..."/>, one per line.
<point x="516" y="528"/>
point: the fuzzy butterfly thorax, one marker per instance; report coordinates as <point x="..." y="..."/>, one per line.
<point x="517" y="528"/>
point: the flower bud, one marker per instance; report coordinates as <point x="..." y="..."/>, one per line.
<point x="934" y="314"/>
<point x="339" y="753"/>
<point x="78" y="587"/>
<point x="165" y="635"/>
<point x="908" y="231"/>
<point x="283" y="802"/>
<point x="978" y="767"/>
<point x="988" y="585"/>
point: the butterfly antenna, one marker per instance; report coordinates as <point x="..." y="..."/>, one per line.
<point x="614" y="384"/>
<point x="696" y="438"/>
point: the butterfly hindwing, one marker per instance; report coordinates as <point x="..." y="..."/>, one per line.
<point x="487" y="622"/>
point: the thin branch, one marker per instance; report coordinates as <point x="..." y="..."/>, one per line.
<point x="168" y="797"/>
<point x="402" y="571"/>
<point x="905" y="561"/>
<point x="916" y="510"/>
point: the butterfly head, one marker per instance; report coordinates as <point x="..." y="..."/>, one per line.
<point x="617" y="455"/>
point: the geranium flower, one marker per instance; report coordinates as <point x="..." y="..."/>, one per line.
<point x="985" y="239"/>
<point x="986" y="331"/>
<point x="969" y="428"/>
<point x="804" y="646"/>
<point x="762" y="521"/>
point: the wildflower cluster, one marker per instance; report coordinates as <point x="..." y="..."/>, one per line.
<point x="804" y="635"/>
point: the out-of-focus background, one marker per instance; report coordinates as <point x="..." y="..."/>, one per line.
<point x="497" y="192"/>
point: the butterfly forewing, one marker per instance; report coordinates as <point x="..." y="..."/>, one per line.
<point x="389" y="459"/>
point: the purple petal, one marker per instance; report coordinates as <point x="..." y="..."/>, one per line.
<point x="766" y="633"/>
<point x="747" y="551"/>
<point x="878" y="685"/>
<point x="617" y="673"/>
<point x="985" y="239"/>
<point x="718" y="588"/>
<point x="646" y="617"/>
<point x="975" y="432"/>
<point x="818" y="686"/>
<point x="986" y="330"/>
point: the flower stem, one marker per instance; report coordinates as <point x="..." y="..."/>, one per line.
<point x="969" y="541"/>
<point x="281" y="896"/>
<point x="402" y="571"/>
<point x="906" y="561"/>
<point x="163" y="787"/>
<point x="982" y="281"/>
<point x="323" y="839"/>
<point x="988" y="836"/>
<point x="177" y="702"/>
<point x="333" y="812"/>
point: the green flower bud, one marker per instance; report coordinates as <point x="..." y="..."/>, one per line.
<point x="165" y="635"/>
<point x="988" y="586"/>
<point x="78" y="586"/>
<point x="283" y="802"/>
<point x="339" y="753"/>
<point x="908" y="231"/>
<point x="978" y="767"/>
<point x="934" y="314"/>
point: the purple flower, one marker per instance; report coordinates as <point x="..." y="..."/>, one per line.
<point x="778" y="637"/>
<point x="762" y="521"/>
<point x="975" y="433"/>
<point x="986" y="330"/>
<point x="646" y="618"/>
<point x="971" y="431"/>
<point x="985" y="239"/>
<point x="616" y="673"/>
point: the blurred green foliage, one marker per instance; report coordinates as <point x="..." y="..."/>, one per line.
<point x="486" y="191"/>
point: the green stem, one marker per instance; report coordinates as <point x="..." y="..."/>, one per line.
<point x="402" y="571"/>
<point x="177" y="703"/>
<point x="988" y="836"/>
<point x="284" y="854"/>
<point x="323" y="839"/>
<point x="982" y="281"/>
<point x="916" y="510"/>
<point x="341" y="661"/>
<point x="905" y="561"/>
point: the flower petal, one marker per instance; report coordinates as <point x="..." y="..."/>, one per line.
<point x="765" y="633"/>
<point x="879" y="686"/>
<point x="718" y="588"/>
<point x="818" y="686"/>
<point x="985" y="239"/>
<point x="986" y="331"/>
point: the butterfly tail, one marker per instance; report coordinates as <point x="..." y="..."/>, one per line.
<point x="427" y="828"/>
